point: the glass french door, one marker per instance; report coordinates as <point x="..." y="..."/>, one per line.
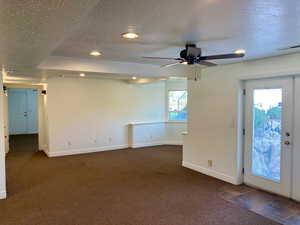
<point x="268" y="137"/>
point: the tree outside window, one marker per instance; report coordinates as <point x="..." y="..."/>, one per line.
<point x="177" y="105"/>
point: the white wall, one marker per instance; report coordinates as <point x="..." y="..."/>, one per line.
<point x="213" y="125"/>
<point x="87" y="115"/>
<point x="156" y="133"/>
<point x="176" y="84"/>
<point x="2" y="146"/>
<point x="174" y="130"/>
<point x="147" y="134"/>
<point x="160" y="132"/>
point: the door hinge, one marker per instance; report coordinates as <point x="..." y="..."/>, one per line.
<point x="243" y="171"/>
<point x="244" y="131"/>
<point x="244" y="91"/>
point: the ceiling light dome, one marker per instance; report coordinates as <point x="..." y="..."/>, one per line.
<point x="95" y="53"/>
<point x="130" y="35"/>
<point x="240" y="51"/>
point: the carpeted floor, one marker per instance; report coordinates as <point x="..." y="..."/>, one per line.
<point x="144" y="186"/>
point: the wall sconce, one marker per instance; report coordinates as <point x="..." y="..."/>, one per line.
<point x="44" y="92"/>
<point x="5" y="90"/>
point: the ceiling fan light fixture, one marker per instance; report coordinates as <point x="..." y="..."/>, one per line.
<point x="184" y="63"/>
<point x="95" y="53"/>
<point x="130" y="35"/>
<point x="240" y="51"/>
<point x="133" y="78"/>
<point x="82" y="75"/>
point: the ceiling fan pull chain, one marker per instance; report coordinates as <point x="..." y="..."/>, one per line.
<point x="197" y="75"/>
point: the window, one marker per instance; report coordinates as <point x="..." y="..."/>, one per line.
<point x="177" y="105"/>
<point x="267" y="123"/>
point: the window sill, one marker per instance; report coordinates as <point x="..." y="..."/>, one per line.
<point x="176" y="121"/>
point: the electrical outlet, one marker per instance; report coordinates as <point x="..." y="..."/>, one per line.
<point x="69" y="143"/>
<point x="210" y="163"/>
<point x="109" y="139"/>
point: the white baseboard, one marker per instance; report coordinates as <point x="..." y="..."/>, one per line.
<point x="2" y="194"/>
<point x="85" y="150"/>
<point x="58" y="153"/>
<point x="146" y="144"/>
<point x="210" y="172"/>
<point x="173" y="143"/>
<point x="46" y="152"/>
<point x="149" y="144"/>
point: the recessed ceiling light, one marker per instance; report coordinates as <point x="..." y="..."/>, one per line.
<point x="184" y="63"/>
<point x="133" y="78"/>
<point x="130" y="35"/>
<point x="95" y="53"/>
<point x="82" y="75"/>
<point x="240" y="51"/>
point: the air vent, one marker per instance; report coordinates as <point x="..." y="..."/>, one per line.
<point x="290" y="47"/>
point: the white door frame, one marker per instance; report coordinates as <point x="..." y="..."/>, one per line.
<point x="285" y="188"/>
<point x="41" y="119"/>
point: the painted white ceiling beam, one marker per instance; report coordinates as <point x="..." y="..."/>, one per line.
<point x="60" y="63"/>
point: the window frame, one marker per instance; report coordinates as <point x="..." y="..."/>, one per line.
<point x="167" y="110"/>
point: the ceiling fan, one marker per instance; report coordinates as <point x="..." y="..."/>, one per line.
<point x="192" y="55"/>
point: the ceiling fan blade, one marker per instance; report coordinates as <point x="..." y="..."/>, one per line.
<point x="169" y="65"/>
<point x="162" y="58"/>
<point x="206" y="63"/>
<point x="223" y="56"/>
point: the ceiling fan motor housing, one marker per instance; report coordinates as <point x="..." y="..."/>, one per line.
<point x="191" y="53"/>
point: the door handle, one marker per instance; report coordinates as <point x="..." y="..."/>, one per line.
<point x="287" y="142"/>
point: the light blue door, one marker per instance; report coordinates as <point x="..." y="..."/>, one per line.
<point x="22" y="110"/>
<point x="32" y="111"/>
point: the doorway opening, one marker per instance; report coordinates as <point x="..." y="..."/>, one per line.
<point x="24" y="119"/>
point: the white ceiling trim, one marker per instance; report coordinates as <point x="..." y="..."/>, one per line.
<point x="112" y="67"/>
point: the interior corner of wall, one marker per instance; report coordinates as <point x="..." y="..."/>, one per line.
<point x="211" y="172"/>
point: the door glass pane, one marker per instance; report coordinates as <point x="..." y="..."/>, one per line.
<point x="266" y="147"/>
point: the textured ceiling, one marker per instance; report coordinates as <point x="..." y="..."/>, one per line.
<point x="260" y="27"/>
<point x="32" y="30"/>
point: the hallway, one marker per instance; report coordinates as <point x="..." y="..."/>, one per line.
<point x="23" y="144"/>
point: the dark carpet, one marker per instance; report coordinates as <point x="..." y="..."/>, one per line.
<point x="146" y="186"/>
